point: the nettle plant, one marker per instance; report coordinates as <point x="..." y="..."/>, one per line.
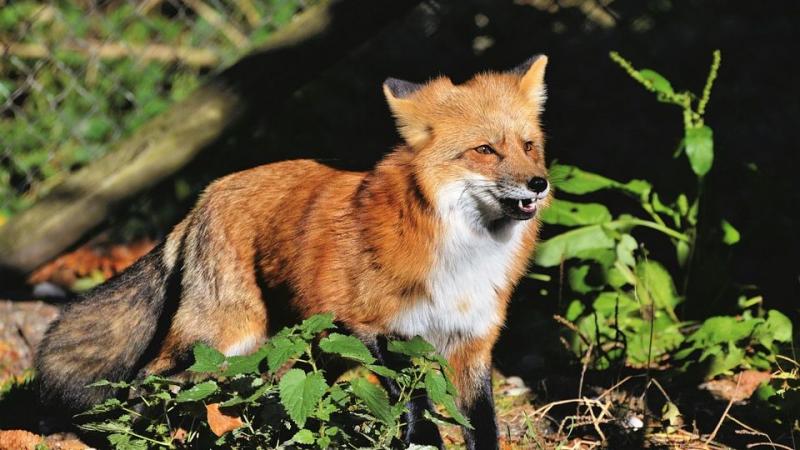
<point x="255" y="402"/>
<point x="623" y="301"/>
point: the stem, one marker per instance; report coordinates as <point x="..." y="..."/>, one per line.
<point x="712" y="75"/>
<point x="653" y="225"/>
<point x="165" y="444"/>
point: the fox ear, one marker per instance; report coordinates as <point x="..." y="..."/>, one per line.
<point x="410" y="122"/>
<point x="532" y="81"/>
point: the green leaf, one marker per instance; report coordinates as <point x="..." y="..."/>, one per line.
<point x="303" y="437"/>
<point x="625" y="248"/>
<point x="197" y="392"/>
<point x="206" y="359"/>
<point x="700" y="149"/>
<point x="382" y="371"/>
<point x="609" y="303"/>
<point x="657" y="284"/>
<point x="563" y="212"/>
<point x="724" y="363"/>
<point x="375" y="398"/>
<point x="722" y="329"/>
<point x="316" y="324"/>
<point x="282" y="349"/>
<point x="577" y="279"/>
<point x="257" y="394"/>
<point x="574" y="310"/>
<point x="573" y="180"/>
<point x="300" y="393"/>
<point x="237" y="365"/>
<point x="638" y="187"/>
<point x="779" y="325"/>
<point x="347" y="346"/>
<point x="730" y="235"/>
<point x="682" y="251"/>
<point x="659" y="83"/>
<point x="125" y="442"/>
<point x="570" y="244"/>
<point x="413" y="347"/>
<point x="436" y="387"/>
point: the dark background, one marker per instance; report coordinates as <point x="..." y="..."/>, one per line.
<point x="596" y="117"/>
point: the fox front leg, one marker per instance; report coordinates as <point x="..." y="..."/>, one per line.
<point x="481" y="414"/>
<point x="418" y="430"/>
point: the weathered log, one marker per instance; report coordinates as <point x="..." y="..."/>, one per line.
<point x="312" y="42"/>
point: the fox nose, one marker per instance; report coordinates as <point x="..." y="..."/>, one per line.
<point x="537" y="184"/>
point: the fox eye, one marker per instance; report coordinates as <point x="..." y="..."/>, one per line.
<point x="528" y="146"/>
<point x="485" y="150"/>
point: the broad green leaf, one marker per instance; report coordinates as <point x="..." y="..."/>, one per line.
<point x="300" y="393"/>
<point x="282" y="349"/>
<point x="316" y="324"/>
<point x="303" y="437"/>
<point x="436" y="387"/>
<point x="605" y="257"/>
<point x="573" y="180"/>
<point x="570" y="244"/>
<point x="126" y="442"/>
<point x="382" y="371"/>
<point x="638" y="187"/>
<point x="616" y="278"/>
<point x="347" y="346"/>
<point x="700" y="149"/>
<point x="563" y="212"/>
<point x="197" y="392"/>
<point x="730" y="235"/>
<point x="417" y="346"/>
<point x="779" y="325"/>
<point x="722" y="329"/>
<point x="375" y="398"/>
<point x="325" y="408"/>
<point x="625" y="248"/>
<point x="613" y="303"/>
<point x="724" y="363"/>
<point x="657" y="284"/>
<point x="659" y="83"/>
<point x="577" y="279"/>
<point x="574" y="310"/>
<point x="206" y="359"/>
<point x="245" y="364"/>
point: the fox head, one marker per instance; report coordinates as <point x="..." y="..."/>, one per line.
<point x="477" y="147"/>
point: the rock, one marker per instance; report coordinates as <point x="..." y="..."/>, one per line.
<point x="737" y="388"/>
<point x="22" y="325"/>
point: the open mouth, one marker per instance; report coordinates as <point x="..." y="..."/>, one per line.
<point x="519" y="209"/>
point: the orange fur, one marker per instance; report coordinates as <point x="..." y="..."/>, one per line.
<point x="431" y="242"/>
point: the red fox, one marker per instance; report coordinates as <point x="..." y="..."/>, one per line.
<point x="430" y="242"/>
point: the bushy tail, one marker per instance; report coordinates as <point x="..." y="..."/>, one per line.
<point x="105" y="335"/>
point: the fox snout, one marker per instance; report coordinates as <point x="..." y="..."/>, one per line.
<point x="513" y="199"/>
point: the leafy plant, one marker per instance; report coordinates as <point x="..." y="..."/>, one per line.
<point x="240" y="406"/>
<point x="623" y="301"/>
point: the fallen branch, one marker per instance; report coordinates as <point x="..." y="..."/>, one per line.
<point x="196" y="57"/>
<point x="295" y="55"/>
<point x="217" y="21"/>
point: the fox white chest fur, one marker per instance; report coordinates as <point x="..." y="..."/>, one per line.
<point x="471" y="265"/>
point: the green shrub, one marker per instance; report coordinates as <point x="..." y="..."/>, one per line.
<point x="623" y="301"/>
<point x="298" y="408"/>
